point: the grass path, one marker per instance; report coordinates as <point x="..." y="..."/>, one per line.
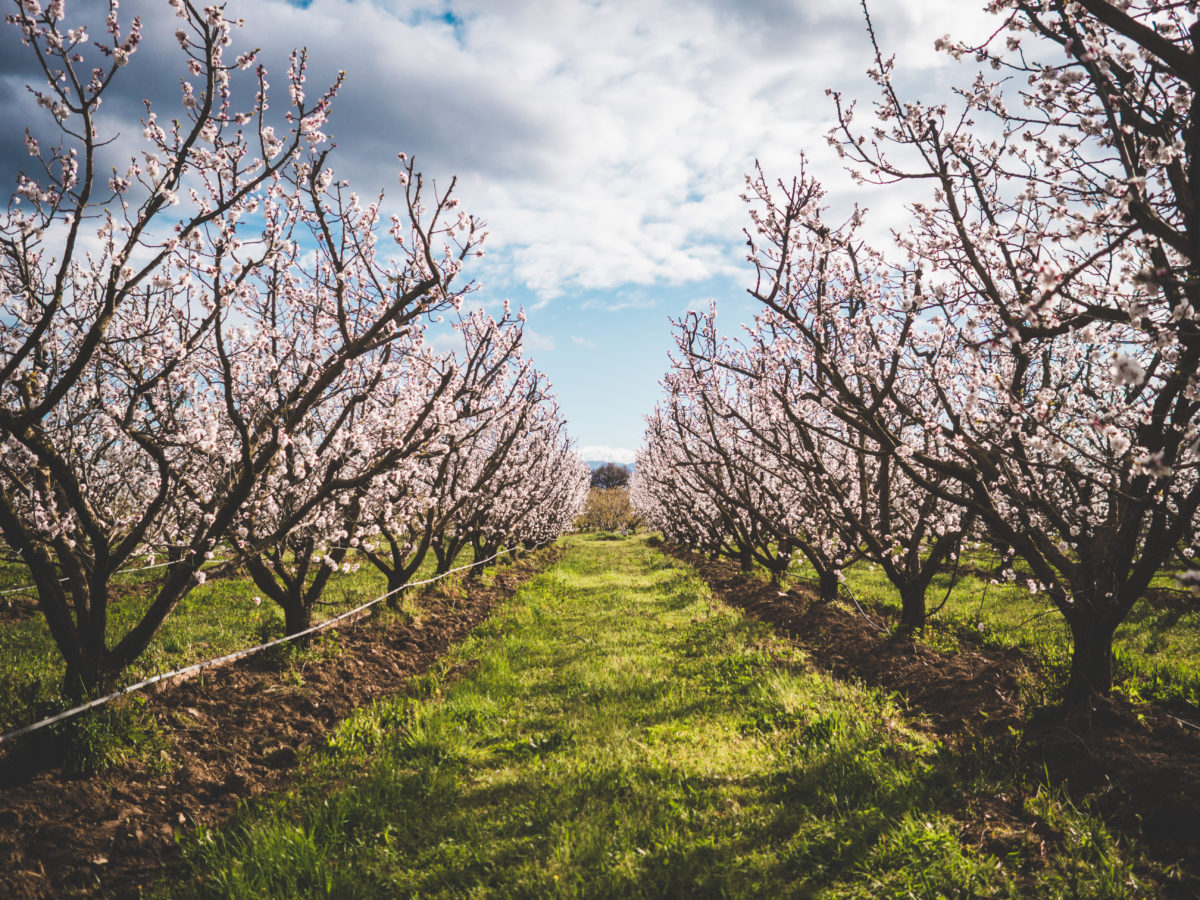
<point x="615" y="733"/>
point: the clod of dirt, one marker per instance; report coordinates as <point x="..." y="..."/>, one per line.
<point x="282" y="758"/>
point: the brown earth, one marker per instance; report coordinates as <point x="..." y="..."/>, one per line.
<point x="1138" y="767"/>
<point x="16" y="607"/>
<point x="238" y="732"/>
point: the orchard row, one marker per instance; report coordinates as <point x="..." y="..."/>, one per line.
<point x="1021" y="366"/>
<point x="219" y="349"/>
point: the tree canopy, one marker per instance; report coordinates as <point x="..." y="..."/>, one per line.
<point x="610" y="475"/>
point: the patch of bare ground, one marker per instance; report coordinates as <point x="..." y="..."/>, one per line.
<point x="1137" y="767"/>
<point x="15" y="608"/>
<point x="236" y="733"/>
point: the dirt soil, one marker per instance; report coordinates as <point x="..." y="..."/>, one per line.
<point x="236" y="733"/>
<point x="16" y="607"/>
<point x="1138" y="767"/>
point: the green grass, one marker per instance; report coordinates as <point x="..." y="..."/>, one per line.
<point x="1156" y="650"/>
<point x="614" y="732"/>
<point x="215" y="618"/>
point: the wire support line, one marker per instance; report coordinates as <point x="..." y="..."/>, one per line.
<point x="162" y="565"/>
<point x="862" y="611"/>
<point x="240" y="654"/>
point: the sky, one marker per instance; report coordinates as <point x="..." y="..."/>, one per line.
<point x="605" y="144"/>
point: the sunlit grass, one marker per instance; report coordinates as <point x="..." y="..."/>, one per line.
<point x="1156" y="650"/>
<point x="218" y="617"/>
<point x="613" y="732"/>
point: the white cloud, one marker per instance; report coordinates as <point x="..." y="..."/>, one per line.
<point x="535" y="342"/>
<point x="605" y="143"/>
<point x="601" y="453"/>
<point x="619" y="302"/>
<point x="583" y="342"/>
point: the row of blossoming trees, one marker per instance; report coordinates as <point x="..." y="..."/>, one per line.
<point x="216" y="348"/>
<point x="1025" y="368"/>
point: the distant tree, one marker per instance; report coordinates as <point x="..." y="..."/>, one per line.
<point x="610" y="475"/>
<point x="609" y="509"/>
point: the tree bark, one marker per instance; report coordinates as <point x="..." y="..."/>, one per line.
<point x="296" y="616"/>
<point x="912" y="605"/>
<point x="81" y="680"/>
<point x="1091" y="659"/>
<point x="395" y="582"/>
<point x="829" y="586"/>
<point x="443" y="559"/>
<point x="87" y="657"/>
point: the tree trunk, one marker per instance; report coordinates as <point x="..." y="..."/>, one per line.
<point x="395" y="584"/>
<point x="174" y="556"/>
<point x="82" y="680"/>
<point x="88" y="661"/>
<point x="746" y="560"/>
<point x="296" y="616"/>
<point x="1091" y="659"/>
<point x="829" y="586"/>
<point x="912" y="606"/>
<point x="443" y="560"/>
<point x="481" y="552"/>
<point x="778" y="569"/>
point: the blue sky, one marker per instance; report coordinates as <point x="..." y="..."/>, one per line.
<point x="605" y="144"/>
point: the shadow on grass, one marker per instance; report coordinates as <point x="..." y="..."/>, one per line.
<point x="618" y="742"/>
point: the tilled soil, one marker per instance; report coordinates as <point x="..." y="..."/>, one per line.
<point x="1139" y="768"/>
<point x="238" y="732"/>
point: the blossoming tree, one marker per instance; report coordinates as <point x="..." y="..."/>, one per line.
<point x="158" y="351"/>
<point x="1043" y="320"/>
